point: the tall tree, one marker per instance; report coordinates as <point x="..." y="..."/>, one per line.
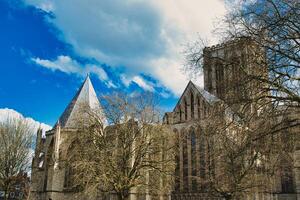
<point x="16" y="140"/>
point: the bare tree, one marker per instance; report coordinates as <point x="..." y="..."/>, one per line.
<point x="134" y="154"/>
<point x="16" y="140"/>
<point x="273" y="28"/>
<point x="273" y="25"/>
<point x="243" y="156"/>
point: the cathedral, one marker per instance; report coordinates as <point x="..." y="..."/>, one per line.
<point x="51" y="179"/>
<point x="196" y="106"/>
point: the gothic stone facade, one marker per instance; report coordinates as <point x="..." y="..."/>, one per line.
<point x="222" y="85"/>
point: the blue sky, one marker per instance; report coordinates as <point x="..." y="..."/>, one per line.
<point x="48" y="47"/>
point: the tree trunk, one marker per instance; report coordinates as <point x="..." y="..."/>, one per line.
<point x="5" y="194"/>
<point x="123" y="195"/>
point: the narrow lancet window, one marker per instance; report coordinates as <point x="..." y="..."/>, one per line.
<point x="192" y="106"/>
<point x="185" y="110"/>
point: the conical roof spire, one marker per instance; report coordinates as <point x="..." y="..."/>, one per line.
<point x="85" y="98"/>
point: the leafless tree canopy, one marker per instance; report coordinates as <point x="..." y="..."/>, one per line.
<point x="246" y="153"/>
<point x="16" y="140"/>
<point x="122" y="158"/>
<point x="274" y="26"/>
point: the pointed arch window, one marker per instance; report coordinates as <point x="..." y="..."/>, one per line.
<point x="192" y="106"/>
<point x="198" y="107"/>
<point x="185" y="110"/>
<point x="180" y="114"/>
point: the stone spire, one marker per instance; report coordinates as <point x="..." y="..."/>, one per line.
<point x="84" y="101"/>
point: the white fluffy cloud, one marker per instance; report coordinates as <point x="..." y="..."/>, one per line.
<point x="67" y="65"/>
<point x="140" y="81"/>
<point x="145" y="36"/>
<point x="6" y="113"/>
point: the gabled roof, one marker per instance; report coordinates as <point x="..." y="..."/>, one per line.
<point x="85" y="98"/>
<point x="210" y="98"/>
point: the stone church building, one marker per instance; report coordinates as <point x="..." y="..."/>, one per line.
<point x="223" y="86"/>
<point x="51" y="179"/>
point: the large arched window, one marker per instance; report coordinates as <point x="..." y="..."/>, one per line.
<point x="193" y="159"/>
<point x="192" y="106"/>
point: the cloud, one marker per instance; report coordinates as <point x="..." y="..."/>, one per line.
<point x="144" y="37"/>
<point x="140" y="81"/>
<point x="62" y="63"/>
<point x="6" y="113"/>
<point x="68" y="65"/>
<point x="143" y="83"/>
